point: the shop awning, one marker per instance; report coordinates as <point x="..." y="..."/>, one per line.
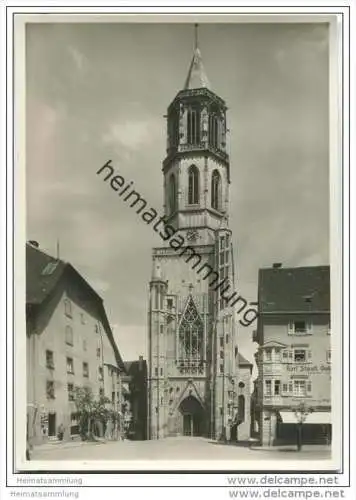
<point x="288" y="417"/>
<point x="319" y="417"/>
<point x="316" y="417"/>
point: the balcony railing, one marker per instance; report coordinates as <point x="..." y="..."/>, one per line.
<point x="190" y="366"/>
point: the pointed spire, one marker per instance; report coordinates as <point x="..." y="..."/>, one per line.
<point x="196" y="36"/>
<point x="196" y="78"/>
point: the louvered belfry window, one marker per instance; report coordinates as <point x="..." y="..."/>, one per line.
<point x="193" y="126"/>
<point x="214" y="131"/>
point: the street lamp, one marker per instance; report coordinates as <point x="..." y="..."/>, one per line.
<point x="301" y="412"/>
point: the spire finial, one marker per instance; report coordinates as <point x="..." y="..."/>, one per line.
<point x="196" y="36"/>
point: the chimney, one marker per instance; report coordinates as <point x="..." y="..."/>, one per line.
<point x="277" y="265"/>
<point x="140" y="363"/>
<point x="34" y="243"/>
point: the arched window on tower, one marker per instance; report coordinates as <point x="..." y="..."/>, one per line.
<point x="193" y="185"/>
<point x="193" y="126"/>
<point x="214" y="131"/>
<point x="172" y="194"/>
<point x="216" y="190"/>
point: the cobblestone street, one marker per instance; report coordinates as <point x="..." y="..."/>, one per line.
<point x="179" y="448"/>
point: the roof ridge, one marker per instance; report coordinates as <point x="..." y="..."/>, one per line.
<point x="38" y="249"/>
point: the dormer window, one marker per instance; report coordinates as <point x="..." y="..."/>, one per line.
<point x="299" y="327"/>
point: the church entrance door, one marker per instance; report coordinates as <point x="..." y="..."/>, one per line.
<point x="192" y="413"/>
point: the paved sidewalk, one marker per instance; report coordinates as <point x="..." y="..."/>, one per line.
<point x="52" y="445"/>
<point x="293" y="448"/>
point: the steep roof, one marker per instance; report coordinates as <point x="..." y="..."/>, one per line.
<point x="299" y="289"/>
<point x="243" y="361"/>
<point x="196" y="78"/>
<point x="44" y="274"/>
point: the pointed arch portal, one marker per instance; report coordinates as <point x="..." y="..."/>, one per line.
<point x="193" y="416"/>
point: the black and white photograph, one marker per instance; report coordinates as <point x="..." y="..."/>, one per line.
<point x="180" y="250"/>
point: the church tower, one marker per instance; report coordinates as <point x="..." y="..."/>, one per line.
<point x="193" y="354"/>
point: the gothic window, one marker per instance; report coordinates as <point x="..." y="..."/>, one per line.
<point x="191" y="332"/>
<point x="193" y="126"/>
<point x="193" y="185"/>
<point x="216" y="190"/>
<point x="172" y="194"/>
<point x="214" y="131"/>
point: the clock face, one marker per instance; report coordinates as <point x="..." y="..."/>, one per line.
<point x="192" y="235"/>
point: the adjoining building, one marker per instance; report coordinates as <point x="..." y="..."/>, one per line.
<point x="294" y="354"/>
<point x="69" y="344"/>
<point x="193" y="355"/>
<point x="135" y="385"/>
<point x="243" y="426"/>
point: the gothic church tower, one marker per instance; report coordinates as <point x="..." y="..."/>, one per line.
<point x="193" y="354"/>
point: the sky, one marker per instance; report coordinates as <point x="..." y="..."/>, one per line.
<point x="100" y="91"/>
